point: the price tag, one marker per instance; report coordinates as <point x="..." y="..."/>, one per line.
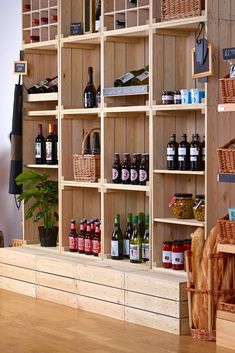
<point x="20" y="67"/>
<point x="229" y="53"/>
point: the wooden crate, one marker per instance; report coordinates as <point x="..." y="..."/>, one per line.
<point x="56" y="296"/>
<point x="18" y="286"/>
<point x="56" y="282"/>
<point x="16" y="272"/>
<point x="225" y="327"/>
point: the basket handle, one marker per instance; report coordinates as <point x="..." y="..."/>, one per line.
<point x="86" y="135"/>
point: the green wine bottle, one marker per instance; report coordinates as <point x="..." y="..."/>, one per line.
<point x="136" y="243"/>
<point x="142" y="78"/>
<point x="141" y="224"/>
<point x="117" y="240"/>
<point x="128" y="233"/>
<point x="129" y="78"/>
<point x="145" y="241"/>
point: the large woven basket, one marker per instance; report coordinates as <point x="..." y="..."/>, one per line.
<point x="86" y="167"/>
<point x="174" y="9"/>
<point x="227" y="90"/>
<point x="226" y="230"/>
<point x="226" y="158"/>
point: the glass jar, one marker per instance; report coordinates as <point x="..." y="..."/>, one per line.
<point x="167" y="97"/>
<point x="199" y="208"/>
<point x="167" y="254"/>
<point x="178" y="255"/>
<point x="182" y="206"/>
<point x="177" y="97"/>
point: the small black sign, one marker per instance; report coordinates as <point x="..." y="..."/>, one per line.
<point x="20" y="67"/>
<point x="228" y="53"/>
<point x="75" y="28"/>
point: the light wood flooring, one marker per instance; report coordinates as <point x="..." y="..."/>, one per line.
<point x="29" y="325"/>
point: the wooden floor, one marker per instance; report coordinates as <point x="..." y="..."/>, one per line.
<point x="29" y="325"/>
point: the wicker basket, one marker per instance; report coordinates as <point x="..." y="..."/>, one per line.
<point x="229" y="305"/>
<point x="226" y="231"/>
<point x="227" y="90"/>
<point x="174" y="9"/>
<point x="86" y="167"/>
<point x="226" y="158"/>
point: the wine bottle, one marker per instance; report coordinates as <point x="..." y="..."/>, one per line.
<point x="141" y="78"/>
<point x="145" y="241"/>
<point x="117" y="240"/>
<point x="40" y="147"/>
<point x="203" y="153"/>
<point x="98" y="96"/>
<point x="51" y="85"/>
<point x="126" y="79"/>
<point x="87" y="145"/>
<point x="49" y="146"/>
<point x="120" y="22"/>
<point x="195" y="153"/>
<point x="38" y="87"/>
<point x="90" y="91"/>
<point x="55" y="145"/>
<point x="96" y="144"/>
<point x="141" y="224"/>
<point x="97" y="15"/>
<point x="172" y="154"/>
<point x="184" y="154"/>
<point x="73" y="237"/>
<point x="136" y="243"/>
<point x="128" y="233"/>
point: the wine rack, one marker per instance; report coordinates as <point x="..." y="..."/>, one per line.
<point x="40" y="20"/>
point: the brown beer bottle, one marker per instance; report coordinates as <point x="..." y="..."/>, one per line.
<point x="116" y="170"/>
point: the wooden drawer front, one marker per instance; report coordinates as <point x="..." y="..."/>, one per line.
<point x="157" y="321"/>
<point x="56" y="296"/>
<point x="20" y="273"/>
<point x="56" y="282"/>
<point x="98" y="291"/>
<point x="101" y="307"/>
<point x="20" y="259"/>
<point x="56" y="267"/>
<point x="157" y="305"/>
<point x="16" y="286"/>
<point x="155" y="286"/>
<point x="101" y="275"/>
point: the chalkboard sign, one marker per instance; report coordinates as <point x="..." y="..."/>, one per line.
<point x="202" y="70"/>
<point x="75" y="28"/>
<point x="20" y="67"/>
<point x="229" y="53"/>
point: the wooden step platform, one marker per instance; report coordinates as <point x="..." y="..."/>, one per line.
<point x="121" y="291"/>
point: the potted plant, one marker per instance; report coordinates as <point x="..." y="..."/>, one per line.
<point x="43" y="194"/>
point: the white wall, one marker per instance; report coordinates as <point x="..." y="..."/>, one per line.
<point x="10" y="42"/>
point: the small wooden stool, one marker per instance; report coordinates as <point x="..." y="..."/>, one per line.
<point x="16" y="242"/>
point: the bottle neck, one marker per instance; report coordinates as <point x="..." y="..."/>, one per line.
<point x="90" y="76"/>
<point x="50" y="129"/>
<point x="73" y="226"/>
<point x="39" y="129"/>
<point x="54" y="129"/>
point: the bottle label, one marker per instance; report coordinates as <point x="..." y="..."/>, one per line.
<point x="114" y="248"/>
<point x="81" y="244"/>
<point x="134" y="252"/>
<point x="194" y="151"/>
<point x="170" y="151"/>
<point x="170" y="158"/>
<point x="48" y="151"/>
<point x="127" y="77"/>
<point x="97" y="25"/>
<point x="177" y="258"/>
<point x="96" y="246"/>
<point x="115" y="174"/>
<point x="143" y="175"/>
<point x="182" y="151"/>
<point x="134" y="175"/>
<point x="88" y="100"/>
<point x="181" y="158"/>
<point x="38" y="150"/>
<point x="193" y="158"/>
<point x="167" y="257"/>
<point x="145" y="251"/>
<point x="73" y="245"/>
<point x="143" y="76"/>
<point x="88" y="245"/>
<point x="125" y="174"/>
<point x="126" y="247"/>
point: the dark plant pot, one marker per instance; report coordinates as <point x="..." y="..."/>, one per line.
<point x="48" y="236"/>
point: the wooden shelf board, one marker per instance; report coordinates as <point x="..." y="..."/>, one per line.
<point x="90" y="38"/>
<point x="81" y="111"/>
<point x="176" y="107"/>
<point x="77" y="184"/>
<point x="224" y="108"/>
<point x="226" y="177"/>
<point x="185" y="222"/>
<point x="134" y="9"/>
<point x="42" y="97"/>
<point x="42" y="166"/>
<point x="227" y="248"/>
<point x="128" y="187"/>
<point x="188" y="24"/>
<point x="181" y="275"/>
<point x="137" y="31"/>
<point x="180" y="172"/>
<point x="42" y="113"/>
<point x="46" y="45"/>
<point x="127" y="109"/>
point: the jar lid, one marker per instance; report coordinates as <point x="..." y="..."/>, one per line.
<point x="183" y="195"/>
<point x="167" y="242"/>
<point x="178" y="92"/>
<point x="200" y="197"/>
<point x="168" y="93"/>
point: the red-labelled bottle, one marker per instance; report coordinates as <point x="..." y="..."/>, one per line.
<point x="81" y="237"/>
<point x="73" y="237"/>
<point x="126" y="167"/>
<point x="167" y="254"/>
<point x="55" y="145"/>
<point x="96" y="241"/>
<point x="40" y="147"/>
<point x="134" y="171"/>
<point x="143" y="171"/>
<point x="116" y="170"/>
<point x="178" y="255"/>
<point x="88" y="240"/>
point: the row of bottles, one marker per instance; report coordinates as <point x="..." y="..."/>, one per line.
<point x="46" y="149"/>
<point x="185" y="155"/>
<point x="135" y="172"/>
<point x="133" y="78"/>
<point x="88" y="240"/>
<point x="134" y="244"/>
<point x="48" y="85"/>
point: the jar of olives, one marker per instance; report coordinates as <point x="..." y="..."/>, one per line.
<point x="182" y="206"/>
<point x="199" y="208"/>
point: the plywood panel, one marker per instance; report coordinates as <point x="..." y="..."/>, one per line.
<point x="56" y="282"/>
<point x="97" y="291"/>
<point x="57" y="296"/>
<point x="19" y="273"/>
<point x="16" y="286"/>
